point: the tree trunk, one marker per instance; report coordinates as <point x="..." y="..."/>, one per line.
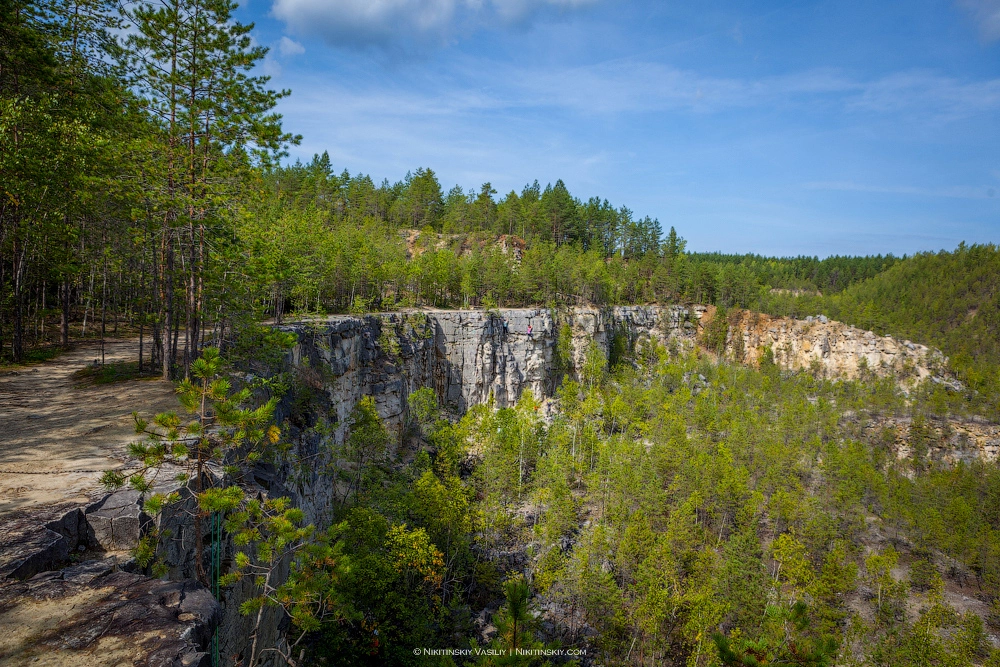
<point x="64" y="294"/>
<point x="167" y="296"/>
<point x="17" y="342"/>
<point x="104" y="299"/>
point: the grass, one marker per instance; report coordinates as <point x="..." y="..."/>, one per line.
<point x="119" y="371"/>
<point x="35" y="356"/>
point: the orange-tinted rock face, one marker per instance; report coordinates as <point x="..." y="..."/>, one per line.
<point x="834" y="349"/>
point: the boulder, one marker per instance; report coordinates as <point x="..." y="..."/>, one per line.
<point x="114" y="522"/>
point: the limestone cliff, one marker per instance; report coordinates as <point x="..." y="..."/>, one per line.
<point x="945" y="441"/>
<point x="467" y="355"/>
<point x="834" y="349"/>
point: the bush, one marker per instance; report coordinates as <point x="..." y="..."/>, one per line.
<point x="923" y="575"/>
<point x="713" y="336"/>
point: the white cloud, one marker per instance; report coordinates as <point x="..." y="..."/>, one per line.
<point x="476" y="87"/>
<point x="737" y="33"/>
<point x="953" y="192"/>
<point x="629" y="85"/>
<point x="271" y="67"/>
<point x="938" y="96"/>
<point x="361" y="22"/>
<point x="986" y="14"/>
<point x="520" y="10"/>
<point x="394" y="23"/>
<point x="641" y="86"/>
<point x="625" y="86"/>
<point x="289" y="47"/>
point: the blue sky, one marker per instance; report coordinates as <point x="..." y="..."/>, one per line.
<point x="818" y="128"/>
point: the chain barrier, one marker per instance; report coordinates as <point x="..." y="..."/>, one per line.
<point x="59" y="472"/>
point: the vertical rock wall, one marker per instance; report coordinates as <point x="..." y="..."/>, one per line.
<point x="835" y="349"/>
<point x="467" y="355"/>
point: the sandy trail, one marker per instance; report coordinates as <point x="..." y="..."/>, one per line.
<point x="51" y="423"/>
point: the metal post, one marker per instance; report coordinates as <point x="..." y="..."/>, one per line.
<point x="216" y="523"/>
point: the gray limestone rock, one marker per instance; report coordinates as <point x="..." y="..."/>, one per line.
<point x="86" y="572"/>
<point x="33" y="552"/>
<point x="169" y="623"/>
<point x="114" y="521"/>
<point x="71" y="526"/>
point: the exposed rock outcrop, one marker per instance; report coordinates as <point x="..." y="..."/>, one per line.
<point x="467" y="356"/>
<point x="835" y="349"/>
<point x="94" y="614"/>
<point x="948" y="441"/>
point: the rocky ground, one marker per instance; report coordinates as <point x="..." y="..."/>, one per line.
<point x="96" y="615"/>
<point x="66" y="598"/>
<point x="57" y="433"/>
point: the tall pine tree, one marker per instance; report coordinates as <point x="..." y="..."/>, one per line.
<point x="191" y="63"/>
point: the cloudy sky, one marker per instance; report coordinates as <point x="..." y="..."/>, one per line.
<point x="840" y="126"/>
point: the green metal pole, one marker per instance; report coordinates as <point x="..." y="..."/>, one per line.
<point x="216" y="566"/>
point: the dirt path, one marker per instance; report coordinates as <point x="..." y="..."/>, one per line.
<point x="51" y="423"/>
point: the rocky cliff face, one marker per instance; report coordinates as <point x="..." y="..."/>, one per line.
<point x="834" y="349"/>
<point x="468" y="358"/>
<point x="947" y="441"/>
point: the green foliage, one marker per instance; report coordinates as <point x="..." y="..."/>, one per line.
<point x="562" y="352"/>
<point x="423" y="406"/>
<point x="388" y="340"/>
<point x="313" y="593"/>
<point x="595" y="364"/>
<point x="37" y="355"/>
<point x="267" y="531"/>
<point x="739" y="507"/>
<point x="225" y="426"/>
<point x="513" y="620"/>
<point x="924" y="575"/>
<point x="889" y="592"/>
<point x="261" y="347"/>
<point x="122" y="371"/>
<point x="716" y="331"/>
<point x="792" y="643"/>
<point x="393" y="585"/>
<point x="620" y="349"/>
<point x="788" y="275"/>
<point x="120" y="154"/>
<point x="961" y="642"/>
<point x="367" y="440"/>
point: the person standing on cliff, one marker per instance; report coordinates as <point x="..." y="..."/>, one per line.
<point x="529" y="331"/>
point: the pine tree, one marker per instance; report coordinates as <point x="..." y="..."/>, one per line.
<point x="62" y="112"/>
<point x="190" y="62"/>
